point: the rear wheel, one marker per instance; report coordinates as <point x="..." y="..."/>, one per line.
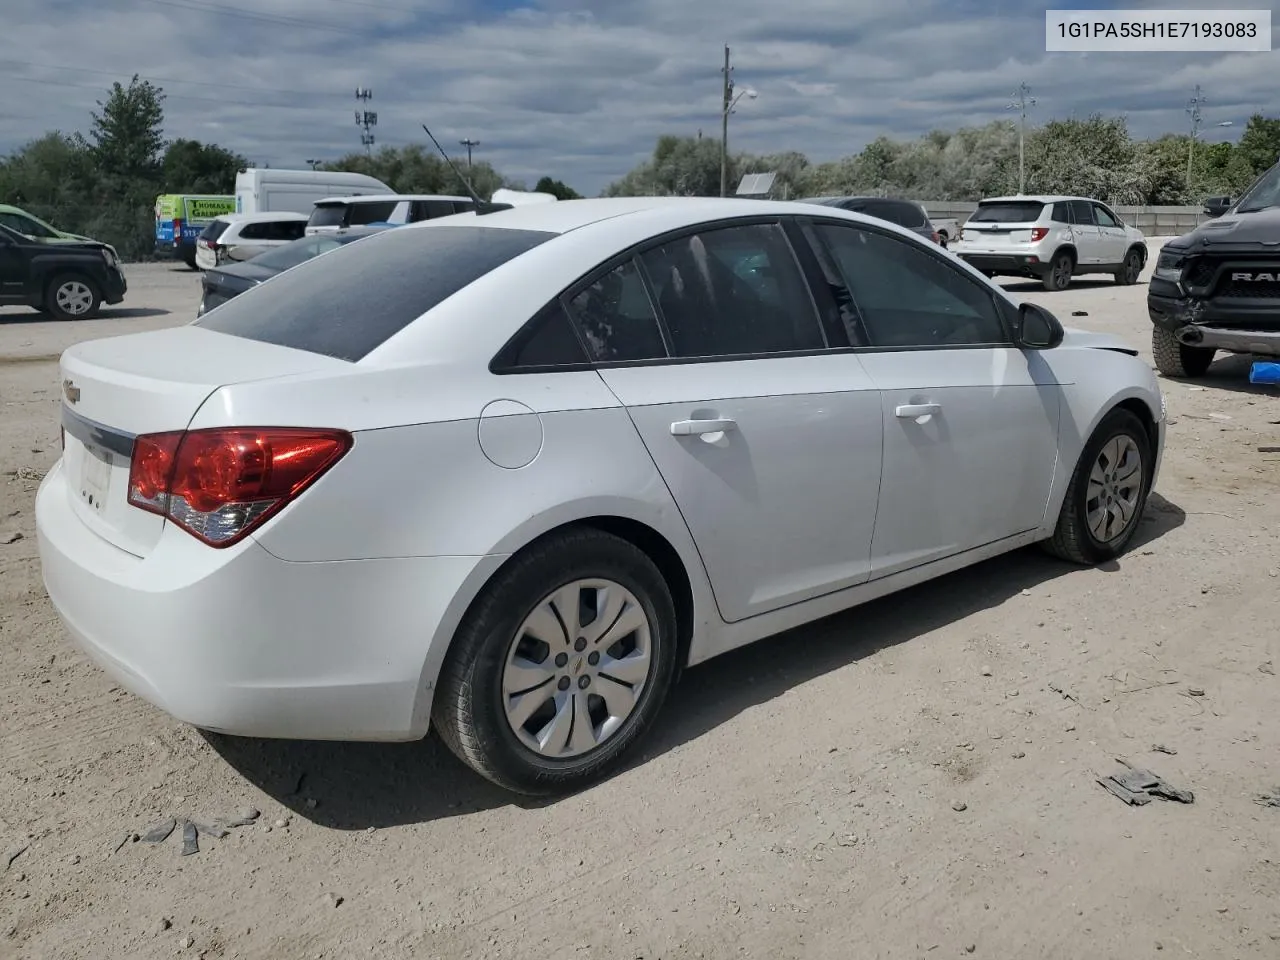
<point x="1058" y="276"/>
<point x="1107" y="494"/>
<point x="1176" y="359"/>
<point x="71" y="296"/>
<point x="1131" y="269"/>
<point x="560" y="666"/>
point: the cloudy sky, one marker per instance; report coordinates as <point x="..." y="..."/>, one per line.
<point x="581" y="89"/>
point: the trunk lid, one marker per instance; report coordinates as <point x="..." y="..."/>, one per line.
<point x="119" y="387"/>
<point x="1003" y="224"/>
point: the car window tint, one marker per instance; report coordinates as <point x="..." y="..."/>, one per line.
<point x="328" y="215"/>
<point x="733" y="291"/>
<point x="1008" y="211"/>
<point x="548" y="341"/>
<point x="214" y="230"/>
<point x="1060" y="213"/>
<point x="360" y="214"/>
<point x="352" y="301"/>
<point x="616" y="318"/>
<point x="253" y="231"/>
<point x="1082" y="211"/>
<point x="907" y="297"/>
<point x="1104" y="218"/>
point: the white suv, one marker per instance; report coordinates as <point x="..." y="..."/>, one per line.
<point x="1051" y="239"/>
<point x="339" y="213"/>
<point x="242" y="236"/>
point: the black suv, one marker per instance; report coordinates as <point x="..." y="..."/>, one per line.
<point x="1218" y="287"/>
<point x="67" y="280"/>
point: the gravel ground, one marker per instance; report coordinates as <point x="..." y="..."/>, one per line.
<point x="915" y="778"/>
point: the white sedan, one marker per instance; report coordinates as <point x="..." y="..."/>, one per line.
<point x="505" y="474"/>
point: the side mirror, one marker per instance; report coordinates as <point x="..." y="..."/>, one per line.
<point x="1217" y="206"/>
<point x="1038" y="329"/>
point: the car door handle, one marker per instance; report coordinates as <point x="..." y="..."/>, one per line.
<point x="699" y="428"/>
<point x="913" y="411"/>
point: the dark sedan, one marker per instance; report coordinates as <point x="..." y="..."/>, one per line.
<point x="905" y="213"/>
<point x="229" y="280"/>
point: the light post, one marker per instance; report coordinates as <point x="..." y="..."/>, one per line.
<point x="1021" y="101"/>
<point x="728" y="101"/>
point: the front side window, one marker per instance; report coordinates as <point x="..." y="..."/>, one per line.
<point x="733" y="291"/>
<point x="906" y="296"/>
<point x="1103" y="216"/>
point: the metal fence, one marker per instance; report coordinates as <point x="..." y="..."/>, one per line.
<point x="1153" y="221"/>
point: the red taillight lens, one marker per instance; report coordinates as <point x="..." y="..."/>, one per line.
<point x="1039" y="233"/>
<point x="220" y="484"/>
<point x="937" y="237"/>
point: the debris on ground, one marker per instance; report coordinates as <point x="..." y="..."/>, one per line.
<point x="1065" y="694"/>
<point x="13" y="855"/>
<point x="190" y="839"/>
<point x="1195" y="691"/>
<point x="1267" y="668"/>
<point x="1161" y="748"/>
<point x="1271" y="799"/>
<point x="8" y="538"/>
<point x="1136" y="786"/>
<point x="192" y="830"/>
<point x="959" y="806"/>
<point x="1079" y="313"/>
<point x="159" y="832"/>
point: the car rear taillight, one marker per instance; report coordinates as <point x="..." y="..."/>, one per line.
<point x="177" y="230"/>
<point x="220" y="484"/>
<point x="1039" y="233"/>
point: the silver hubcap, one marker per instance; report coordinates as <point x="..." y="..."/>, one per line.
<point x="1134" y="267"/>
<point x="576" y="668"/>
<point x="74" y="298"/>
<point x="1115" y="487"/>
<point x="1062" y="274"/>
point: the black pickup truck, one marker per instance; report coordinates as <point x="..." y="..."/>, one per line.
<point x="66" y="280"/>
<point x="1218" y="287"/>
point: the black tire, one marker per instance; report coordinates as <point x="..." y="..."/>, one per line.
<point x="1176" y="359"/>
<point x="189" y="258"/>
<point x="80" y="283"/>
<point x="1131" y="269"/>
<point x="468" y="709"/>
<point x="1073" y="539"/>
<point x="943" y="239"/>
<point x="1058" y="276"/>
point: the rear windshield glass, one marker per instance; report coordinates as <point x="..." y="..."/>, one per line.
<point x="214" y="230"/>
<point x="1008" y="211"/>
<point x="349" y="303"/>
<point x="895" y="211"/>
<point x="363" y="213"/>
<point x="328" y="215"/>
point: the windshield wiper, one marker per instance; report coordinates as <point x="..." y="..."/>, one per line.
<point x="1265" y="206"/>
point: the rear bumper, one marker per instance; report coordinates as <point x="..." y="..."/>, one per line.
<point x="1017" y="263"/>
<point x="240" y="642"/>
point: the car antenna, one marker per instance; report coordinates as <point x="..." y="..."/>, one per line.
<point x="482" y="206"/>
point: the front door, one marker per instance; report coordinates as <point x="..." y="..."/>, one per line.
<point x="768" y="441"/>
<point x="1111" y="239"/>
<point x="970" y="421"/>
<point x="1085" y="233"/>
<point x="14" y="268"/>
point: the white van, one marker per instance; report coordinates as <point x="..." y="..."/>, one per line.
<point x="264" y="190"/>
<point x="337" y="213"/>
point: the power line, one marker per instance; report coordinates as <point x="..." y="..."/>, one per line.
<point x="257" y="88"/>
<point x="175" y="96"/>
<point x="240" y="13"/>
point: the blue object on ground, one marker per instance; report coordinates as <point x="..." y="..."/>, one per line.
<point x="1265" y="372"/>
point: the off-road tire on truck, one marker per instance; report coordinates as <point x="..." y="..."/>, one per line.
<point x="1176" y="359"/>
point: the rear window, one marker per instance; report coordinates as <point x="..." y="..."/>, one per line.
<point x="351" y="302"/>
<point x="214" y="230"/>
<point x="328" y="215"/>
<point x="1008" y="211"/>
<point x="895" y="211"/>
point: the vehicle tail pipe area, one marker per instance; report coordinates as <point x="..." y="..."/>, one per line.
<point x="1191" y="335"/>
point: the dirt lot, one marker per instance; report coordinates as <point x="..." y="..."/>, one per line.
<point x="799" y="798"/>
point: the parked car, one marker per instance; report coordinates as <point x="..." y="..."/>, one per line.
<point x="29" y="225"/>
<point x="947" y="229"/>
<point x="267" y="189"/>
<point x="1218" y="287"/>
<point x="222" y="283"/>
<point x="69" y="280"/>
<point x="1051" y="239"/>
<point x="242" y="236"/>
<point x="336" y="213"/>
<point x="905" y="213"/>
<point x="505" y="474"/>
<point x="181" y="218"/>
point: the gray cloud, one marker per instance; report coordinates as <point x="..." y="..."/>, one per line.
<point x="581" y="91"/>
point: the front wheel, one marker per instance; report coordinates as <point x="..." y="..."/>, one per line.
<point x="1107" y="494"/>
<point x="561" y="665"/>
<point x="72" y="297"/>
<point x="1059" y="275"/>
<point x="1175" y="358"/>
<point x="1131" y="269"/>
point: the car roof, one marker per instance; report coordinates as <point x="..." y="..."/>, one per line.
<point x="1034" y="198"/>
<point x="384" y="197"/>
<point x="260" y="217"/>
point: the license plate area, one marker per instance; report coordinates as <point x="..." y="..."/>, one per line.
<point x="96" y="467"/>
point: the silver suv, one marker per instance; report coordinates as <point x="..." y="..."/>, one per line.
<point x="1051" y="239"/>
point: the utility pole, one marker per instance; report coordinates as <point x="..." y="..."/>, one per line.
<point x="1022" y="100"/>
<point x="469" y="144"/>
<point x="366" y="119"/>
<point x="725" y="104"/>
<point x="1193" y="111"/>
<point x="315" y="164"/>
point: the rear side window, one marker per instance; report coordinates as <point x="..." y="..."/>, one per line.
<point x="328" y="215"/>
<point x="1008" y="211"/>
<point x="895" y="211"/>
<point x="214" y="230"/>
<point x="1060" y="212"/>
<point x="349" y="303"/>
<point x="360" y="214"/>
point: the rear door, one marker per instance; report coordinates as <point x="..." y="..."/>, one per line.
<point x="1002" y="226"/>
<point x="970" y="421"/>
<point x="1085" y="233"/>
<point x="768" y="440"/>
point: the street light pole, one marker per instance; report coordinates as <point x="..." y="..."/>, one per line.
<point x="727" y="92"/>
<point x="1193" y="111"/>
<point x="1022" y="101"/>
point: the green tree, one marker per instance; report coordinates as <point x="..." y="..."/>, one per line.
<point x="558" y="189"/>
<point x="127" y="135"/>
<point x="190" y="166"/>
<point x="1260" y="143"/>
<point x="419" y="169"/>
